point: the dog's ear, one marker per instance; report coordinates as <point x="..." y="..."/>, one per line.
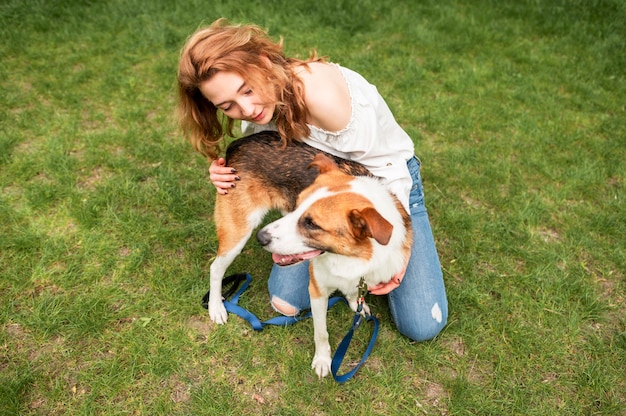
<point x="323" y="163"/>
<point x="369" y="223"/>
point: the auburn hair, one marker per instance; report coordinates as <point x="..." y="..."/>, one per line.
<point x="245" y="50"/>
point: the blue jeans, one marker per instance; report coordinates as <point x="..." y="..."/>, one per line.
<point x="419" y="306"/>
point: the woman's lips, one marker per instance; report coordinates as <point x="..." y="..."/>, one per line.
<point x="259" y="117"/>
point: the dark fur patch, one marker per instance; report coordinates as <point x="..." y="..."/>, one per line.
<point x="284" y="166"/>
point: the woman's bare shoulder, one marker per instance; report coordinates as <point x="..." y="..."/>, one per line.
<point x="327" y="96"/>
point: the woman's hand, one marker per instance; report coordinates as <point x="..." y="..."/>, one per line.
<point x="386" y="287"/>
<point x="222" y="176"/>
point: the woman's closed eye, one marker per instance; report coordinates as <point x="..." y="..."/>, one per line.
<point x="228" y="106"/>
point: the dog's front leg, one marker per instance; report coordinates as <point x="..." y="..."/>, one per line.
<point x="322" y="359"/>
<point x="217" y="311"/>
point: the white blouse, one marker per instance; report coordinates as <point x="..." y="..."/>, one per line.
<point x="372" y="137"/>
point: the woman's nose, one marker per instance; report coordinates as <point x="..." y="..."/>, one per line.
<point x="247" y="108"/>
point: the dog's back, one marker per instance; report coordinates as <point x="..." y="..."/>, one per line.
<point x="280" y="168"/>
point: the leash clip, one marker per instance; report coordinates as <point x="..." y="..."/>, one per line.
<point x="362" y="290"/>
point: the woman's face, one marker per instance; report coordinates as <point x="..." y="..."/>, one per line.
<point x="229" y="92"/>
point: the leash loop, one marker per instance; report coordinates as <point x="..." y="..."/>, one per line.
<point x="232" y="305"/>
<point x="342" y="349"/>
<point x="232" y="283"/>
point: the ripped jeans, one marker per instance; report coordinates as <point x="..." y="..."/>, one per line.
<point x="419" y="306"/>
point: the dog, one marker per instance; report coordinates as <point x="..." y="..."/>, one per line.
<point x="273" y="173"/>
<point x="349" y="227"/>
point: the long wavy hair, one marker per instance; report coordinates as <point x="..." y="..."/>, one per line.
<point x="245" y="50"/>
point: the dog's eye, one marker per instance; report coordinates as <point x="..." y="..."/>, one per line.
<point x="308" y="223"/>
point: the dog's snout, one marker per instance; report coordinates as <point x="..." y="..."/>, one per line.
<point x="264" y="237"/>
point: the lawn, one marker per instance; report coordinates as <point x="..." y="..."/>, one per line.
<point x="517" y="111"/>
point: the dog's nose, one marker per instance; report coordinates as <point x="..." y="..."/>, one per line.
<point x="264" y="237"/>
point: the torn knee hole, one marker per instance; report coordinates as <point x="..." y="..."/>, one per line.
<point x="283" y="307"/>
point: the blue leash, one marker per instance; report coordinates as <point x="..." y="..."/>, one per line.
<point x="345" y="343"/>
<point x="232" y="306"/>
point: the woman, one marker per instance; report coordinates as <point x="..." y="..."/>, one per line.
<point x="236" y="72"/>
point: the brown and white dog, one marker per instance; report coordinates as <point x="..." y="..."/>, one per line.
<point x="350" y="228"/>
<point x="272" y="175"/>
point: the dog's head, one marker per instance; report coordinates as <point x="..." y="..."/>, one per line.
<point x="338" y="215"/>
<point x="361" y="220"/>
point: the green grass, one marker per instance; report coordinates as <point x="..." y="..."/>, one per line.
<point x="517" y="109"/>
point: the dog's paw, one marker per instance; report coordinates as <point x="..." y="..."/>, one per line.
<point x="217" y="312"/>
<point x="321" y="365"/>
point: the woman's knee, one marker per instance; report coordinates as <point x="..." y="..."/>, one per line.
<point x="283" y="307"/>
<point x="288" y="288"/>
<point x="421" y="329"/>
